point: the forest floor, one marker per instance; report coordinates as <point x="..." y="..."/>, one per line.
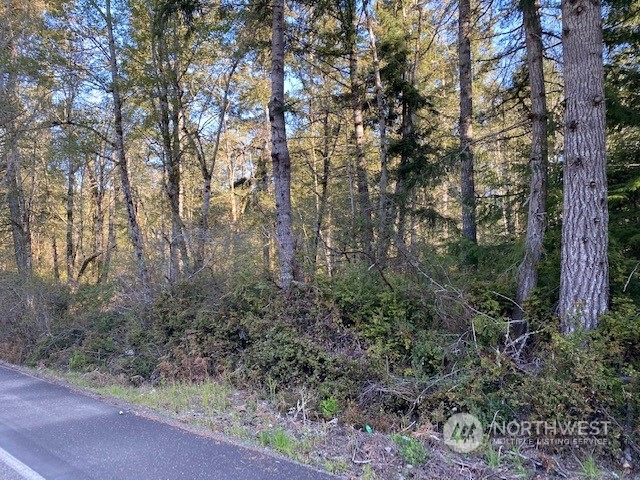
<point x="214" y="407"/>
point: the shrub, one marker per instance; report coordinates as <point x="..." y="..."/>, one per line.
<point x="618" y="336"/>
<point x="390" y="317"/>
<point x="279" y="350"/>
<point x="31" y="309"/>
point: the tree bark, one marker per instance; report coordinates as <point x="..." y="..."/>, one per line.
<point x="97" y="186"/>
<point x="536" y="220"/>
<point x="364" y="222"/>
<point x="321" y="184"/>
<point x="584" y="275"/>
<point x="18" y="211"/>
<point x="56" y="261"/>
<point x="70" y="244"/>
<point x="135" y="232"/>
<point x="384" y="232"/>
<point x="19" y="214"/>
<point x="111" y="236"/>
<point x="280" y="152"/>
<point x="402" y="192"/>
<point x="466" y="117"/>
<point x="168" y="119"/>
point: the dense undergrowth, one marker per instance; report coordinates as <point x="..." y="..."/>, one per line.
<point x="376" y="351"/>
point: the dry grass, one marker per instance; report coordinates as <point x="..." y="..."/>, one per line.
<point x="340" y="449"/>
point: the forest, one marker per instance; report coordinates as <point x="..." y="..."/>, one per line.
<point x="404" y="208"/>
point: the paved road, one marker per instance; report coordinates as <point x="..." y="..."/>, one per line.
<point x="49" y="432"/>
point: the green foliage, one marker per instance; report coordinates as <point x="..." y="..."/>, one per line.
<point x="329" y="407"/>
<point x="355" y="296"/>
<point x="288" y="357"/>
<point x="99" y="346"/>
<point x="427" y="355"/>
<point x="32" y="309"/>
<point x="369" y="349"/>
<point x="618" y="336"/>
<point x="493" y="457"/>
<point x="411" y="450"/>
<point x="174" y="312"/>
<point x="253" y="337"/>
<point x="572" y="382"/>
<point x="392" y="320"/>
<point x="92" y="335"/>
<point x="63" y="340"/>
<point x="490" y="330"/>
<point x="78" y="361"/>
<point x="559" y="377"/>
<point x="141" y="364"/>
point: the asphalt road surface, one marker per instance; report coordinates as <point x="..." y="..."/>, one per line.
<point x="49" y="432"/>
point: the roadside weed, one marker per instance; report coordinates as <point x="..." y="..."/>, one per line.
<point x="412" y="450"/>
<point x="279" y="440"/>
<point x="368" y="473"/>
<point x="589" y="468"/>
<point x="329" y="407"/>
<point x="493" y="457"/>
<point x="214" y="397"/>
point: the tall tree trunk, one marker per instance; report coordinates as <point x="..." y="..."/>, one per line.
<point x="97" y="187"/>
<point x="19" y="215"/>
<point x="135" y="232"/>
<point x="409" y="141"/>
<point x="56" y="261"/>
<point x="18" y="210"/>
<point x="536" y="221"/>
<point x="402" y="192"/>
<point x="262" y="185"/>
<point x="172" y="174"/>
<point x="383" y="204"/>
<point x="70" y="250"/>
<point x="262" y="172"/>
<point x="466" y="117"/>
<point x="364" y="221"/>
<point x="233" y="201"/>
<point x="584" y="275"/>
<point x="168" y="110"/>
<point x="280" y="152"/>
<point x="111" y="236"/>
<point x="321" y="187"/>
